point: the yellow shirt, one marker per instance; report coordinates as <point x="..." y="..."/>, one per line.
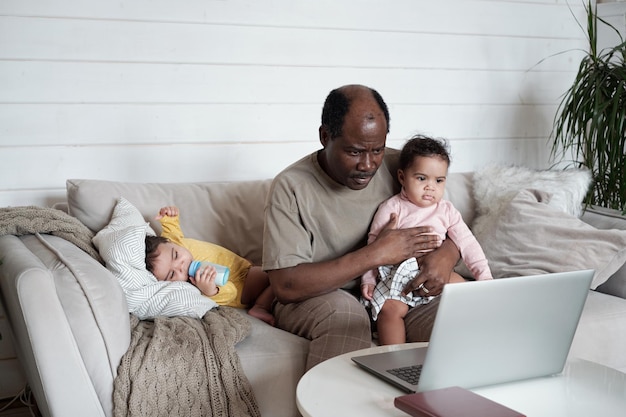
<point x="230" y="294"/>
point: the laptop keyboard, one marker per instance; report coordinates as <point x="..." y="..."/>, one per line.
<point x="410" y="374"/>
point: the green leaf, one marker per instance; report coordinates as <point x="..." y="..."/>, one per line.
<point x="590" y="124"/>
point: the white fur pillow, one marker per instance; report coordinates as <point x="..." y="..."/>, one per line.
<point x="496" y="185"/>
<point x="122" y="246"/>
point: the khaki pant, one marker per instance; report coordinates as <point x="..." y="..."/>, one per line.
<point x="337" y="323"/>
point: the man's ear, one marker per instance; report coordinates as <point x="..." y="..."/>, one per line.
<point x="324" y="135"/>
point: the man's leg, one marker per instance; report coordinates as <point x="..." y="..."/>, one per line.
<point x="335" y="323"/>
<point x="419" y="321"/>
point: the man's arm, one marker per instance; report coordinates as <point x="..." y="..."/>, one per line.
<point x="392" y="246"/>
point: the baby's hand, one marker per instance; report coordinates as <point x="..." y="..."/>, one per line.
<point x="170" y="211"/>
<point x="367" y="291"/>
<point x="205" y="280"/>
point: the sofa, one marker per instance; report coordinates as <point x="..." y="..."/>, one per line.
<point x="70" y="320"/>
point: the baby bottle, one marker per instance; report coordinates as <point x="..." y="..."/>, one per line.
<point x="222" y="271"/>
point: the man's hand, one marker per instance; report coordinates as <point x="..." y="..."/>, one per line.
<point x="435" y="270"/>
<point x="396" y="245"/>
<point x="392" y="246"/>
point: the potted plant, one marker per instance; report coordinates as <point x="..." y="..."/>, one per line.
<point x="590" y="125"/>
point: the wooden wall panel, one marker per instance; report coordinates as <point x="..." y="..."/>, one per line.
<point x="28" y="125"/>
<point x="203" y="44"/>
<point x="496" y="17"/>
<point x="224" y="90"/>
<point x="615" y="15"/>
<point x="97" y="83"/>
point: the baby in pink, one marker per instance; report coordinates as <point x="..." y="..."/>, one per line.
<point x="422" y="173"/>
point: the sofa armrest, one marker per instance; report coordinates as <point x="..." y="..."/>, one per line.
<point x="67" y="312"/>
<point x="603" y="218"/>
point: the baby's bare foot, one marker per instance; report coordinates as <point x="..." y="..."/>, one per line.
<point x="262" y="314"/>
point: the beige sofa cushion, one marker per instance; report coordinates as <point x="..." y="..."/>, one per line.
<point x="228" y="214"/>
<point x="530" y="237"/>
<point x="603" y="218"/>
<point x="459" y="191"/>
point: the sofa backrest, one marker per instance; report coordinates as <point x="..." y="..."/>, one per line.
<point x="459" y="190"/>
<point x="228" y="214"/>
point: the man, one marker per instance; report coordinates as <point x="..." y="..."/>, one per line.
<point x="316" y="222"/>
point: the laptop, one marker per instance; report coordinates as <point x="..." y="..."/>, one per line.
<point x="491" y="332"/>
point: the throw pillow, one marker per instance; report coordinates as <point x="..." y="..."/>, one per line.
<point x="496" y="185"/>
<point x="529" y="237"/>
<point x="122" y="247"/>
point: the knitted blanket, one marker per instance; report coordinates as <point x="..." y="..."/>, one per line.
<point x="29" y="220"/>
<point x="181" y="366"/>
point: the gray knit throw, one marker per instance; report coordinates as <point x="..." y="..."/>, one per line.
<point x="180" y="366"/>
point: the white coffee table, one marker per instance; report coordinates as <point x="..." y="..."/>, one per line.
<point x="338" y="387"/>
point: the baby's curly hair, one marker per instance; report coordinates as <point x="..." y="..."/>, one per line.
<point x="152" y="244"/>
<point x="421" y="145"/>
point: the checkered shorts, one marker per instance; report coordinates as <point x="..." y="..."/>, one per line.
<point x="391" y="281"/>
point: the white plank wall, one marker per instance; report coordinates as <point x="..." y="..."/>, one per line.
<point x="226" y="90"/>
<point x="614" y="13"/>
